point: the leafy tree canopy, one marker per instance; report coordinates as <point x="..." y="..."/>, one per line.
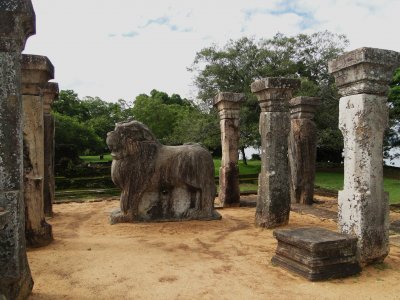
<point x="237" y="64"/>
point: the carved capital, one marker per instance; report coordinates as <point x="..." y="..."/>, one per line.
<point x="36" y="70"/>
<point x="273" y="93"/>
<point x="50" y="93"/>
<point x="364" y="71"/>
<point x="17" y="23"/>
<point x="228" y="104"/>
<point x="303" y="107"/>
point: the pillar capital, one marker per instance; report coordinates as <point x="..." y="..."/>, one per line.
<point x="303" y="107"/>
<point x="36" y="70"/>
<point x="50" y="92"/>
<point x="364" y="71"/>
<point x="228" y="104"/>
<point x="17" y="23"/>
<point x="273" y="92"/>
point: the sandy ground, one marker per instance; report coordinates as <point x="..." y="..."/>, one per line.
<point x="227" y="259"/>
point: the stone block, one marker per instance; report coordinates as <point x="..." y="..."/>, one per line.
<point x="364" y="71"/>
<point x="316" y="253"/>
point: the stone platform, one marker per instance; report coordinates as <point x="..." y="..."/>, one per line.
<point x="316" y="253"/>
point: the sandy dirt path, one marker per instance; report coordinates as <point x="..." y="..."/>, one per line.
<point x="227" y="259"/>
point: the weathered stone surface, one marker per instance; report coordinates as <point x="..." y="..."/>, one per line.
<point x="316" y="253"/>
<point x="302" y="149"/>
<point x="273" y="202"/>
<point x="50" y="93"/>
<point x="17" y="23"/>
<point x="228" y="106"/>
<point x="36" y="71"/>
<point x="364" y="71"/>
<point x="160" y="183"/>
<point x="362" y="77"/>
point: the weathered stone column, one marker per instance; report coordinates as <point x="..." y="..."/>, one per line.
<point x="36" y="71"/>
<point x="17" y="23"/>
<point x="302" y="149"/>
<point x="228" y="105"/>
<point x="362" y="77"/>
<point x="273" y="202"/>
<point x="50" y="93"/>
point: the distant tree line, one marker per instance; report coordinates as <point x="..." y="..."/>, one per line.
<point x="82" y="124"/>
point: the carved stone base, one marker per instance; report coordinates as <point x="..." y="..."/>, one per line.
<point x="117" y="216"/>
<point x="316" y="253"/>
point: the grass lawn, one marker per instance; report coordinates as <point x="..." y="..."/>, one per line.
<point x="327" y="180"/>
<point x="96" y="158"/>
<point x="334" y="181"/>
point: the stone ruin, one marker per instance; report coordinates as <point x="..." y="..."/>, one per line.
<point x="160" y="183"/>
<point x="17" y="24"/>
<point x="273" y="200"/>
<point x="228" y="106"/>
<point x="50" y="94"/>
<point x="362" y="77"/>
<point x="302" y="149"/>
<point x="36" y="71"/>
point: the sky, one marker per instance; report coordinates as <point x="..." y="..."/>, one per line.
<point x="118" y="49"/>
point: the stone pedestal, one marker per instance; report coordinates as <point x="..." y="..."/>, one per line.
<point x="36" y="71"/>
<point x="273" y="202"/>
<point x="362" y="77"/>
<point x="17" y="23"/>
<point x="302" y="149"/>
<point x="50" y="92"/>
<point x="316" y="253"/>
<point x="228" y="106"/>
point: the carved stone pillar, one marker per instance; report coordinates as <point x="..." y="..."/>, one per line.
<point x="302" y="149"/>
<point x="50" y="93"/>
<point x="17" y="23"/>
<point x="273" y="202"/>
<point x="228" y="105"/>
<point x="36" y="71"/>
<point x="362" y="77"/>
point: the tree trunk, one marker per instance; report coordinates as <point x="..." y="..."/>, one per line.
<point x="243" y="155"/>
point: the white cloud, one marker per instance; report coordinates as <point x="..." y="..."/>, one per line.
<point x="120" y="48"/>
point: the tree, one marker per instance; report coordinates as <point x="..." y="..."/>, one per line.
<point x="392" y="138"/>
<point x="175" y="120"/>
<point x="73" y="138"/>
<point x="236" y="65"/>
<point x="83" y="124"/>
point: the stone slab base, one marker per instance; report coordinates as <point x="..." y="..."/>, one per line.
<point x="316" y="253"/>
<point x="117" y="216"/>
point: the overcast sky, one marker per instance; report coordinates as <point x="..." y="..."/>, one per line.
<point x="120" y="48"/>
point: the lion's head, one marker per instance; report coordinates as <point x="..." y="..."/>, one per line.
<point x="122" y="142"/>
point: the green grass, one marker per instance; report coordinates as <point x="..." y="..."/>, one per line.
<point x="326" y="180"/>
<point x="96" y="158"/>
<point x="334" y="181"/>
<point x="252" y="167"/>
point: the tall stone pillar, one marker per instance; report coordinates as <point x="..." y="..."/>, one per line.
<point x="228" y="105"/>
<point x="362" y="77"/>
<point x="50" y="93"/>
<point x="36" y="71"/>
<point x="17" y="23"/>
<point x="273" y="201"/>
<point x="302" y="149"/>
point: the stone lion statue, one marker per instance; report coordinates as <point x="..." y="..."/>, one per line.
<point x="158" y="182"/>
